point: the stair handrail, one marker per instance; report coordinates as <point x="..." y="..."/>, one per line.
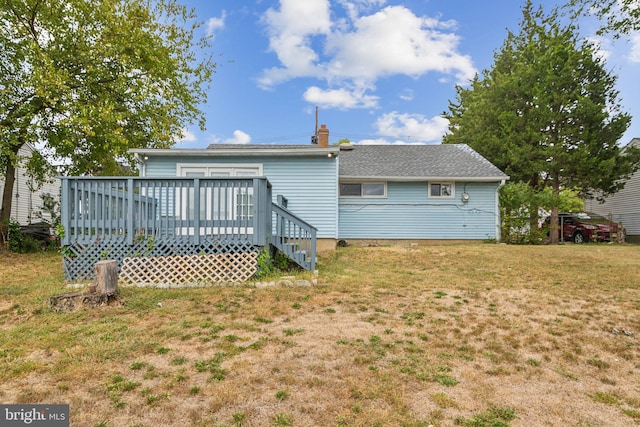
<point x="296" y="244"/>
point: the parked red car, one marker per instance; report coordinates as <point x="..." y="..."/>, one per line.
<point x="586" y="227"/>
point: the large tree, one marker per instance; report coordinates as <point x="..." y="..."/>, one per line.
<point x="547" y="113"/>
<point x="90" y="79"/>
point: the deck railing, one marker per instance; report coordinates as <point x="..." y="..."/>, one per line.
<point x="120" y="217"/>
<point x="136" y="208"/>
<point x="294" y="237"/>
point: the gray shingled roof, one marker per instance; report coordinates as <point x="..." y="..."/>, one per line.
<point x="416" y="161"/>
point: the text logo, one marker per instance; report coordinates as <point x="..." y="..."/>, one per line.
<point x="34" y="415"/>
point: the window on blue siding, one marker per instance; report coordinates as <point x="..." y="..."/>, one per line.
<point x="443" y="190"/>
<point x="362" y="189"/>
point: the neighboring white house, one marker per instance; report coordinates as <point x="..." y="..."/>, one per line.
<point x="623" y="206"/>
<point x="27" y="204"/>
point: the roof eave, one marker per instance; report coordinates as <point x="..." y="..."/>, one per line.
<point x="426" y="178"/>
<point x="249" y="152"/>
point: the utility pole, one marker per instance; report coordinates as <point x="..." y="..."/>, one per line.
<point x="314" y="138"/>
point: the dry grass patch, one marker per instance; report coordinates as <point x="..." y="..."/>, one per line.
<point x="467" y="335"/>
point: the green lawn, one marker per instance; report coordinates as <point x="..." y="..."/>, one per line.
<point x="471" y="335"/>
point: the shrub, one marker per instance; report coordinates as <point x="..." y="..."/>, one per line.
<point x="14" y="236"/>
<point x="271" y="265"/>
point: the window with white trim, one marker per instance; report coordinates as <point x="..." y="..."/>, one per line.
<point x="224" y="203"/>
<point x="441" y="190"/>
<point x="363" y="189"/>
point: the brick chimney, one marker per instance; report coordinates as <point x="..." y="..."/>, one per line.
<point x="323" y="137"/>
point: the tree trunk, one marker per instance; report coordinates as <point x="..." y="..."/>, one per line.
<point x="554" y="231"/>
<point x="7" y="194"/>
<point x="533" y="208"/>
<point x="107" y="277"/>
<point x="9" y="182"/>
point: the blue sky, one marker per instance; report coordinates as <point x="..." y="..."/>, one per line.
<point x="379" y="71"/>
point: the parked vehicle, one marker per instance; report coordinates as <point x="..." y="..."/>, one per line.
<point x="586" y="227"/>
<point x="41" y="231"/>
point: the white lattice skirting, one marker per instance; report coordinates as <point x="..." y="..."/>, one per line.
<point x="189" y="269"/>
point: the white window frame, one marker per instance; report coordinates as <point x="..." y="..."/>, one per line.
<point x="220" y="169"/>
<point x="211" y="168"/>
<point x="188" y="193"/>
<point x="441" y="183"/>
<point x="362" y="184"/>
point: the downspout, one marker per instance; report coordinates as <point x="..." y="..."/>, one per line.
<point x="498" y="216"/>
<point x="337" y="199"/>
<point x="143" y="165"/>
<point x="15" y="209"/>
<point x="30" y="202"/>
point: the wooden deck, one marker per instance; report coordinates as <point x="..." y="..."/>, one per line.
<point x="204" y="226"/>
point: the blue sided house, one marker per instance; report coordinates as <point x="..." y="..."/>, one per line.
<point x="206" y="214"/>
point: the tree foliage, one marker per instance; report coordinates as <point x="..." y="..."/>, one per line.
<point x="518" y="200"/>
<point x="547" y="112"/>
<point x="618" y="16"/>
<point x="91" y="79"/>
<point x="343" y="142"/>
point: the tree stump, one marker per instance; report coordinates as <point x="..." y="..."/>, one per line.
<point x="107" y="277"/>
<point x="72" y="300"/>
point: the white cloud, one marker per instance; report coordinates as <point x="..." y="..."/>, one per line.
<point x="290" y="36"/>
<point x="395" y="41"/>
<point x="609" y="49"/>
<point x="407" y="95"/>
<point x="239" y="137"/>
<point x="214" y="24"/>
<point x="299" y="17"/>
<point x="343" y="99"/>
<point x="602" y="46"/>
<point x="412" y="127"/>
<point x="186" y="136"/>
<point x="356" y="51"/>
<point x="634" y="54"/>
<point x="355" y="7"/>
